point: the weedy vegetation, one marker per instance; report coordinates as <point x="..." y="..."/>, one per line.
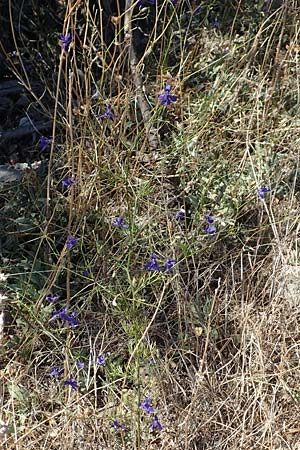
<point x="150" y="280"/>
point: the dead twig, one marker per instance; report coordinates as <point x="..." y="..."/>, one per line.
<point x="151" y="132"/>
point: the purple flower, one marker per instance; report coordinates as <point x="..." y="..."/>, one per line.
<point x="262" y="190"/>
<point x="146" y="405"/>
<point x="80" y="364"/>
<point x="71" y="319"/>
<point x="117" y="426"/>
<point x="210" y="228"/>
<point x="119" y="222"/>
<point x="153" y="265"/>
<point x="101" y="360"/>
<point x="71" y="382"/>
<point x="155" y="424"/>
<point x="53" y="298"/>
<point x="169" y="264"/>
<point x="216" y="24"/>
<point x="55" y="372"/>
<point x="180" y="214"/>
<point x="166" y="98"/>
<point x="174" y="2"/>
<point x="65" y="41"/>
<point x="88" y="272"/>
<point x="45" y="142"/>
<point x="71" y="241"/>
<point x="108" y="114"/>
<point x="146" y="3"/>
<point x="68" y="181"/>
<point x="62" y="314"/>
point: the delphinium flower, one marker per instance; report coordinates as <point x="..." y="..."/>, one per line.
<point x="52" y="298"/>
<point x="108" y="114"/>
<point x="180" y="214"/>
<point x="80" y="364"/>
<point x="216" y="24"/>
<point x="167" y="98"/>
<point x="55" y="372"/>
<point x="62" y="314"/>
<point x="45" y="142"/>
<point x="117" y="426"/>
<point x="169" y="264"/>
<point x="65" y="41"/>
<point x="119" y="222"/>
<point x="67" y="181"/>
<point x="71" y="382"/>
<point x="156" y="424"/>
<point x="71" y="241"/>
<point x="88" y="272"/>
<point x="147" y="3"/>
<point x="146" y="405"/>
<point x="174" y="2"/>
<point x="210" y="228"/>
<point x="71" y="319"/>
<point x="101" y="360"/>
<point x="262" y="190"/>
<point x="152" y="265"/>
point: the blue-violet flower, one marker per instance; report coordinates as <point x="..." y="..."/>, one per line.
<point x="117" y="426"/>
<point x="44" y="142"/>
<point x="101" y="360"/>
<point x="67" y="181"/>
<point x="180" y="214"/>
<point x="155" y="424"/>
<point x="108" y="114"/>
<point x="169" y="264"/>
<point x="55" y="372"/>
<point x="262" y="190"/>
<point x="62" y="314"/>
<point x="71" y="382"/>
<point x="153" y="265"/>
<point x="71" y="241"/>
<point x="65" y="41"/>
<point x="119" y="222"/>
<point x="210" y="228"/>
<point x="167" y="98"/>
<point x="53" y="298"/>
<point x="146" y="405"/>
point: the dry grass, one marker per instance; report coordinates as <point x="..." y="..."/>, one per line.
<point x="215" y="342"/>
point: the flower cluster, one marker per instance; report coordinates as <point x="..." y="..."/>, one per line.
<point x="153" y="266"/>
<point x="149" y="409"/>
